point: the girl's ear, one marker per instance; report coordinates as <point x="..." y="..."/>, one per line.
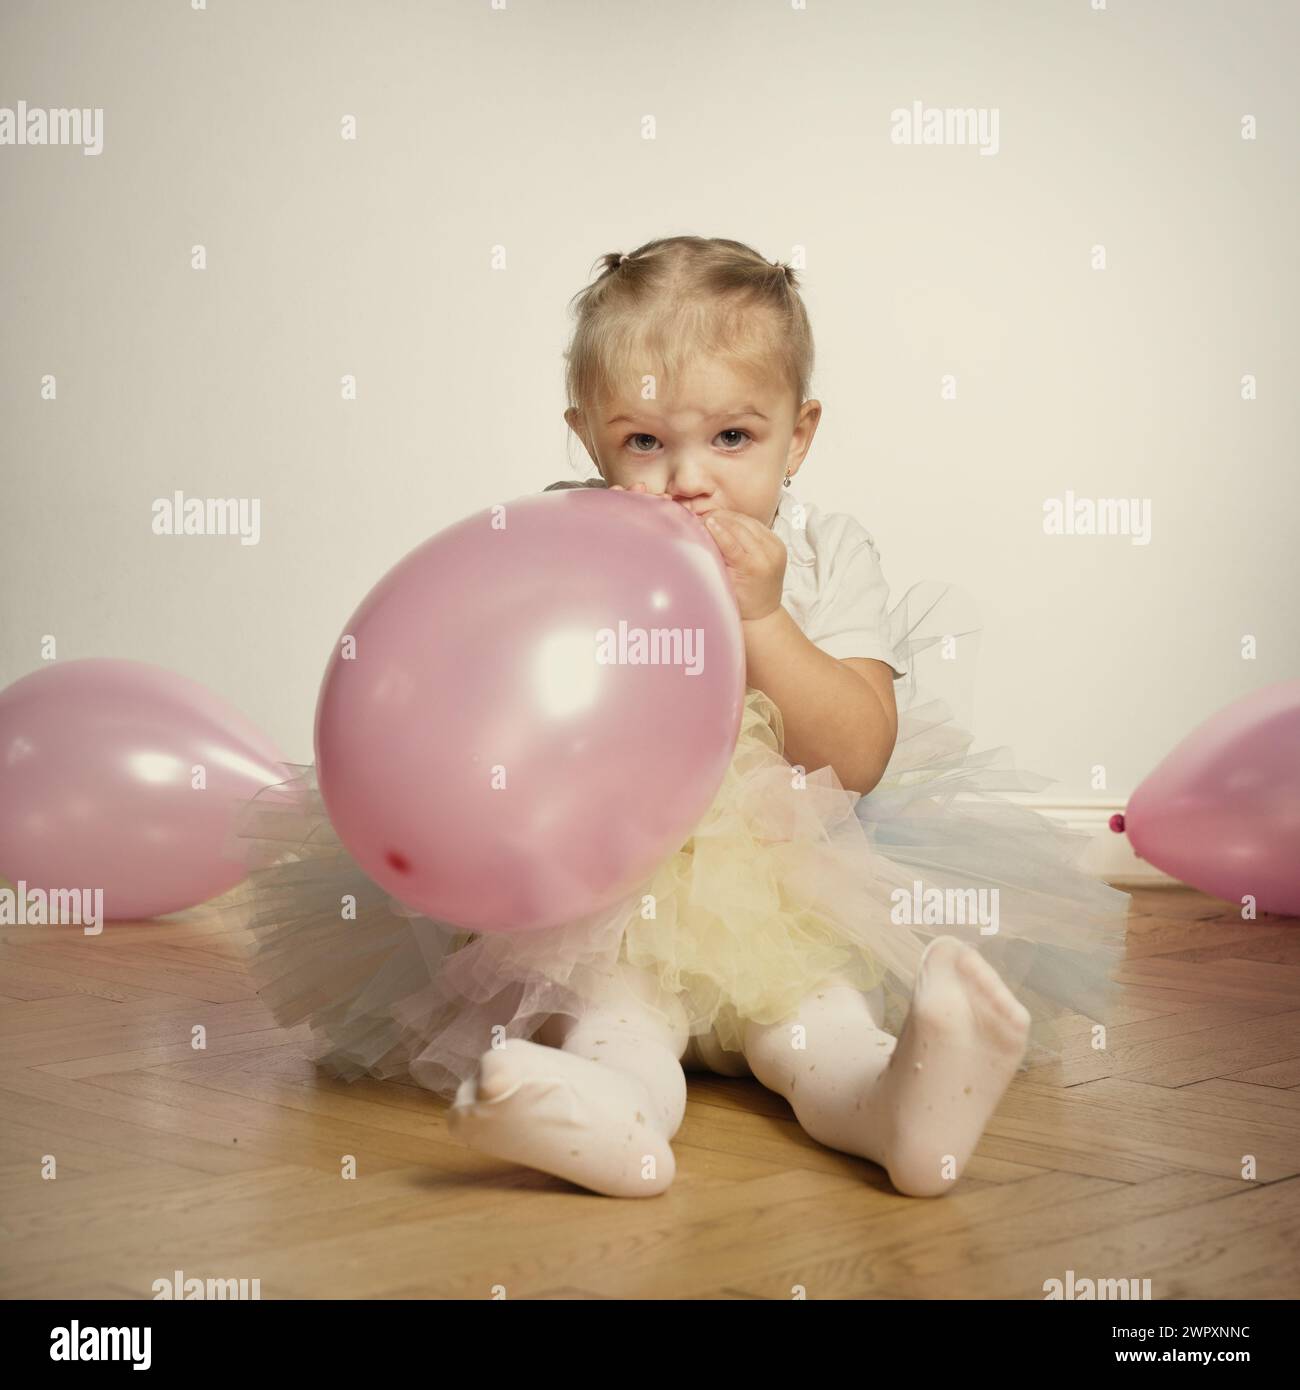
<point x="573" y="418"/>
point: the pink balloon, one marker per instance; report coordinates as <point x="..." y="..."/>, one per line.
<point x="96" y="787"/>
<point x="1222" y="811"/>
<point x="480" y="757"/>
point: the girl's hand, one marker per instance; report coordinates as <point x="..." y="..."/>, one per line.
<point x="755" y="557"/>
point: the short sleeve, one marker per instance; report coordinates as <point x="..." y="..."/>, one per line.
<point x="849" y="616"/>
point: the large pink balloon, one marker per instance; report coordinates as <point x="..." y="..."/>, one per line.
<point x="477" y="754"/>
<point x="97" y="788"/>
<point x="1222" y="811"/>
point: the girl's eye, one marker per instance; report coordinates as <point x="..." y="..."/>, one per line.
<point x="630" y="441"/>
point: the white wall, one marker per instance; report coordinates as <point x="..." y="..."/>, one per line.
<point x="521" y="127"/>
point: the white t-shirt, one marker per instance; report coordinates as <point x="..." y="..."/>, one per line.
<point x="834" y="587"/>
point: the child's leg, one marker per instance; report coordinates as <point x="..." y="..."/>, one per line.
<point x="918" y="1104"/>
<point x="596" y="1106"/>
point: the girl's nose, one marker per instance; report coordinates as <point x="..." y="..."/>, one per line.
<point x="687" y="482"/>
<point x="695" y="502"/>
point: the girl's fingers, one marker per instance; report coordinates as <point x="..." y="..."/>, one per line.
<point x="744" y="551"/>
<point x="722" y="533"/>
<point x="748" y="525"/>
<point x="758" y="539"/>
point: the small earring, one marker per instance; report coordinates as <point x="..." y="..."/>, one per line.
<point x="787" y="481"/>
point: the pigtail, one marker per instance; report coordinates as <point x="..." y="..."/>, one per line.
<point x="788" y="273"/>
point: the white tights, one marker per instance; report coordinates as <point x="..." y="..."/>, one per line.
<point x="597" y="1099"/>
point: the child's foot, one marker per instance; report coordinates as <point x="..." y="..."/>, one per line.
<point x="565" y="1115"/>
<point x="959" y="1048"/>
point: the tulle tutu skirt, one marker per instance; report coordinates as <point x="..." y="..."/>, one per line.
<point x="789" y="880"/>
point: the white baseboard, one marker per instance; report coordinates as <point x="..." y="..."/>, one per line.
<point x="1109" y="856"/>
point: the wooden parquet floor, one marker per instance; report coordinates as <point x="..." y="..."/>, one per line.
<point x="226" y="1163"/>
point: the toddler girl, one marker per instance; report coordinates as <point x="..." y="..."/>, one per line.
<point x="845" y="921"/>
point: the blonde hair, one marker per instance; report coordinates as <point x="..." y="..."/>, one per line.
<point x="676" y="299"/>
